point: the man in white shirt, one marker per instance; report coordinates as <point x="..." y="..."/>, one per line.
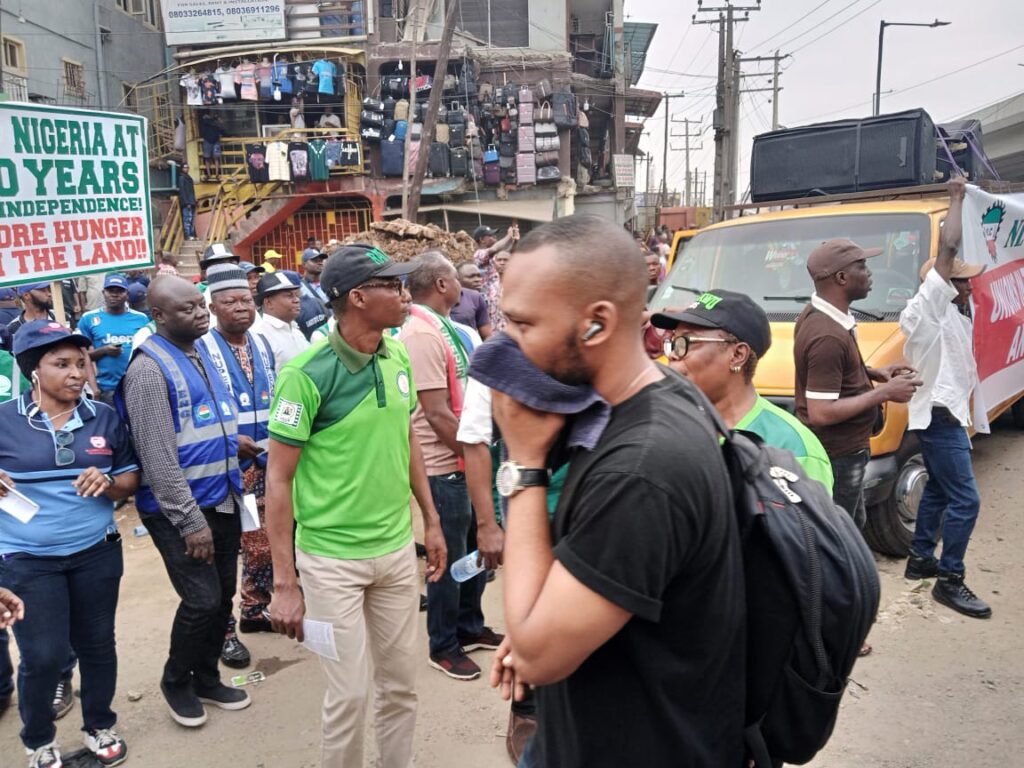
<point x="280" y="304"/>
<point x="939" y="344"/>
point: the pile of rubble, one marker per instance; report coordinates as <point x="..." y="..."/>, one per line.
<point x="403" y="240"/>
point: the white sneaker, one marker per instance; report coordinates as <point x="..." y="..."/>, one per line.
<point x="45" y="757"/>
<point x="106" y="746"/>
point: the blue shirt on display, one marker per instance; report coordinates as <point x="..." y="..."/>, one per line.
<point x="324" y="70"/>
<point x="102" y="328"/>
<point x="66" y="523"/>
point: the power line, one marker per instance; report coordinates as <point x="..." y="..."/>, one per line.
<point x="837" y="26"/>
<point x="818" y="26"/>
<point x="790" y="26"/>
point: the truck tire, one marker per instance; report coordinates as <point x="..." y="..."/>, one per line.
<point x="890" y="524"/>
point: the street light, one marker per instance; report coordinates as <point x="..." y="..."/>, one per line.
<point x="881" y="38"/>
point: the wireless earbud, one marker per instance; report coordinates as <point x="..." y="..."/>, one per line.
<point x="594" y="329"/>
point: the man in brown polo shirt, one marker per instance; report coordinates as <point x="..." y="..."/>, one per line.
<point x="834" y="392"/>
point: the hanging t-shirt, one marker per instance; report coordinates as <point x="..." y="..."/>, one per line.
<point x="325" y="71"/>
<point x="318" y="170"/>
<point x="281" y="77"/>
<point x="333" y="154"/>
<point x="277" y="161"/>
<point x="265" y="73"/>
<point x="299" y="72"/>
<point x="210" y="88"/>
<point x="298" y="159"/>
<point x="227" y="82"/>
<point x="256" y="162"/>
<point x="245" y="76"/>
<point x="193" y="94"/>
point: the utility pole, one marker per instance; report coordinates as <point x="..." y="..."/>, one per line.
<point x="687" y="135"/>
<point x="663" y="198"/>
<point x="726" y="122"/>
<point x="775" y="88"/>
<point x="430" y="119"/>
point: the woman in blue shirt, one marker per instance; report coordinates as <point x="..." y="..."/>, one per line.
<point x="72" y="458"/>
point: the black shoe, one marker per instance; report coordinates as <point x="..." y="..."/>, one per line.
<point x="487" y="640"/>
<point x="63" y="698"/>
<point x="259" y="624"/>
<point x="423" y="603"/>
<point x="185" y="707"/>
<point x="951" y="591"/>
<point x="224" y="697"/>
<point x="234" y="654"/>
<point x="921" y="568"/>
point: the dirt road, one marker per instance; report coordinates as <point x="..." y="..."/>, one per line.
<point x="938" y="690"/>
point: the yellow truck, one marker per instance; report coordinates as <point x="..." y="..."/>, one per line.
<point x="764" y="256"/>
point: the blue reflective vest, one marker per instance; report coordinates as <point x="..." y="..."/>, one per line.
<point x="252" y="401"/>
<point x="206" y="430"/>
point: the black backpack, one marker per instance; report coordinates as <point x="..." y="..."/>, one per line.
<point x="812" y="593"/>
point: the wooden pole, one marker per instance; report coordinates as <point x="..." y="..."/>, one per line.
<point x="57" y="292"/>
<point x="440" y="69"/>
<point x="412" y="117"/>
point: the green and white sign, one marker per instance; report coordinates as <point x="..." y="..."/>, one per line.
<point x="74" y="193"/>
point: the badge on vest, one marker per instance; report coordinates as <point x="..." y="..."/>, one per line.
<point x="243" y="399"/>
<point x="288" y="413"/>
<point x="265" y="398"/>
<point x="402" y="382"/>
<point x="225" y="409"/>
<point x="203" y="414"/>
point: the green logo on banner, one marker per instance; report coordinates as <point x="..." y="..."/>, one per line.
<point x="378" y="256"/>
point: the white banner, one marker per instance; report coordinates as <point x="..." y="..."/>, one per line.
<point x="192" y="22"/>
<point x="994" y="236"/>
<point x="74" y="193"/>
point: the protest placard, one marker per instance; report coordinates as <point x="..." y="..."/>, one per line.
<point x="74" y="193"/>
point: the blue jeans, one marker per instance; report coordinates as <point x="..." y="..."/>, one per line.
<point x="72" y="600"/>
<point x="951" y="492"/>
<point x="188" y="217"/>
<point x="453" y="609"/>
<point x="848" y="487"/>
<point x="197" y="634"/>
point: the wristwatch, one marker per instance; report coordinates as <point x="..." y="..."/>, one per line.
<point x="512" y="478"/>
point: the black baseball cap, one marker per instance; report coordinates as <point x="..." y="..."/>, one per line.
<point x="352" y="265"/>
<point x="41" y="334"/>
<point x="733" y="312"/>
<point x="274" y="282"/>
<point x="482" y="231"/>
<point x="216" y="252"/>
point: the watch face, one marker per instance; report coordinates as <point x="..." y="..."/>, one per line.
<point x="507" y="479"/>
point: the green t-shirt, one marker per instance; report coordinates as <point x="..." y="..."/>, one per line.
<point x="781" y="429"/>
<point x="350" y="412"/>
<point x="12" y="383"/>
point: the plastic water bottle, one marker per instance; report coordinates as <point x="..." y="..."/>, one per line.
<point x="140" y="530"/>
<point x="466" y="568"/>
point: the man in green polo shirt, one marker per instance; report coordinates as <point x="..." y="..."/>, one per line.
<point x="716" y="343"/>
<point x="342" y="463"/>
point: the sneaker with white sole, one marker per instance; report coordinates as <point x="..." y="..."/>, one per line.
<point x="185" y="707"/>
<point x="63" y="698"/>
<point x="45" y="757"/>
<point x="106" y="746"/>
<point x="222" y="696"/>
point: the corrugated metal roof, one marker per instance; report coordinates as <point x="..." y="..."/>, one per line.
<point x="636" y="38"/>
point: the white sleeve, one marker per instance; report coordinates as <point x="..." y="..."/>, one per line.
<point x="475" y="425"/>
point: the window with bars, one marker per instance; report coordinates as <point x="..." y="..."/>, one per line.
<point x="129" y="97"/>
<point x="74" y="78"/>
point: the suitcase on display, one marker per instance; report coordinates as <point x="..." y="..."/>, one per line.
<point x="389" y="128"/>
<point x="373" y="105"/>
<point x="417" y="131"/>
<point x="458" y="161"/>
<point x="367" y="117"/>
<point x="563" y="105"/>
<point x="402" y="109"/>
<point x="492" y="173"/>
<point x="442" y="133"/>
<point x="414" y="153"/>
<point x="370" y="133"/>
<point x="401" y="128"/>
<point x="392" y="157"/>
<point x="526" y="168"/>
<point x="526" y="139"/>
<point x="439" y="162"/>
<point x="389" y="107"/>
<point x="844" y="156"/>
<point x="456" y="114"/>
<point x="457" y="135"/>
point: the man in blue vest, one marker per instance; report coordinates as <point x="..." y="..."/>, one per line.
<point x="185" y="430"/>
<point x="245" y="364"/>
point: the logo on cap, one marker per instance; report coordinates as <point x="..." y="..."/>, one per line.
<point x="707" y="300"/>
<point x="377" y="256"/>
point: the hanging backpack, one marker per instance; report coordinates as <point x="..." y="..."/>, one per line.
<point x="812" y="593"/>
<point x="563" y="104"/>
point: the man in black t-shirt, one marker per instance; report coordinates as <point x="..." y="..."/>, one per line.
<point x="628" y="614"/>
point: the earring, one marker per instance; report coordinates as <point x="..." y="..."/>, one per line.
<point x="735" y="369"/>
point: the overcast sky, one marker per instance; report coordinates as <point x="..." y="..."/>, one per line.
<point x="832" y="72"/>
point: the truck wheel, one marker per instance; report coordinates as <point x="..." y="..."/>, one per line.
<point x="890" y="525"/>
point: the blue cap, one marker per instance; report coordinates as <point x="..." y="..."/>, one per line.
<point x="248" y="266"/>
<point x="45" y="333"/>
<point x="295" y="277"/>
<point x="23" y="289"/>
<point x="312" y="253"/>
<point x="136" y="292"/>
<point x="115" y="280"/>
<point x="6" y="294"/>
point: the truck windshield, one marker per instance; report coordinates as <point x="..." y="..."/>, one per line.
<point x="766" y="260"/>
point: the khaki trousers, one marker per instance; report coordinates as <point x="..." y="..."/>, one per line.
<point x="371" y="603"/>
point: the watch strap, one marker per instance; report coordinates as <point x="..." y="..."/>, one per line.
<point x="529" y="478"/>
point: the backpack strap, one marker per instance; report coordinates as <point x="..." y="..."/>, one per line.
<point x="757" y="749"/>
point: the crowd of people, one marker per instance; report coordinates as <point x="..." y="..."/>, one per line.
<point x="548" y="443"/>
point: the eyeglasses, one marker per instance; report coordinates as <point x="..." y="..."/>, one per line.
<point x="395" y="285"/>
<point x="678" y="346"/>
<point x="63" y="456"/>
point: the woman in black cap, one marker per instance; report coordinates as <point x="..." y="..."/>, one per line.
<point x="64" y="461"/>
